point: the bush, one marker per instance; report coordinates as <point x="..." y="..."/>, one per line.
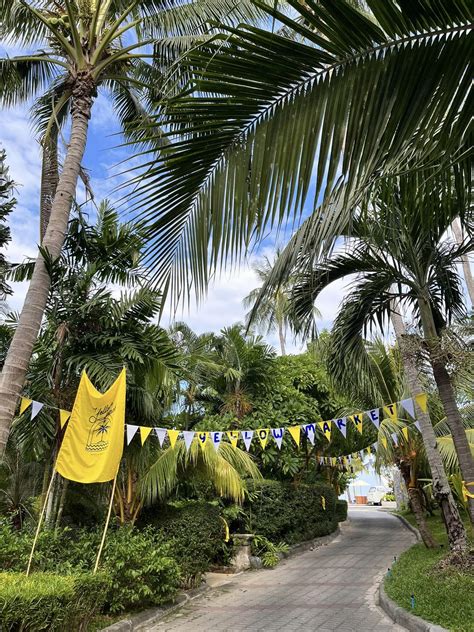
<point x="195" y="533"/>
<point x="341" y="510"/>
<point x="45" y="601"/>
<point x="282" y="511"/>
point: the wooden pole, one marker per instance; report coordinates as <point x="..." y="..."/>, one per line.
<point x="106" y="527"/>
<point x="40" y="521"/>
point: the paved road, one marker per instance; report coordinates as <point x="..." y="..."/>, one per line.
<point x="328" y="589"/>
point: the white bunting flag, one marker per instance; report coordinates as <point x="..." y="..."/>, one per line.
<point x="161" y="434"/>
<point x="131" y="431"/>
<point x="394" y="438"/>
<point x="247" y="436"/>
<point x="35" y="408"/>
<point x="188" y="436"/>
<point x="374" y="416"/>
<point x="417" y="425"/>
<point x="277" y="434"/>
<point x="216" y="437"/>
<point x="309" y="431"/>
<point x="375" y="446"/>
<point x="341" y="424"/>
<point x="409" y="406"/>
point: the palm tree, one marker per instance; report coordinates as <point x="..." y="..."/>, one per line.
<point x="343" y="95"/>
<point x="398" y="248"/>
<point x="82" y="45"/>
<point x="272" y="312"/>
<point x="7" y="204"/>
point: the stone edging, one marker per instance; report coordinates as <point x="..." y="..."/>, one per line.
<point x="152" y="615"/>
<point x="404" y="618"/>
<point x="409" y="526"/>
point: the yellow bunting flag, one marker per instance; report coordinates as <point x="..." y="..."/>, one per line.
<point x="421" y="400"/>
<point x="202" y="438"/>
<point x="233" y="437"/>
<point x="391" y="411"/>
<point x="384" y="442"/>
<point x="93" y="442"/>
<point x="24" y="404"/>
<point x="326" y="428"/>
<point x="295" y="432"/>
<point x="144" y="432"/>
<point x="63" y="417"/>
<point x="357" y="419"/>
<point x="263" y="435"/>
<point x="173" y="435"/>
<point x="333" y="460"/>
<point x="405" y="433"/>
<point x="323" y="502"/>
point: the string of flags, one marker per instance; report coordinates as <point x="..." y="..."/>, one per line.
<point x="263" y="435"/>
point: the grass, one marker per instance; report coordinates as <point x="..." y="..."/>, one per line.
<point x="442" y="597"/>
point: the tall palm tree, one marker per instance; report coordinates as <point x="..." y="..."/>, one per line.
<point x="344" y="94"/>
<point x="273" y="312"/>
<point x="7" y="204"/>
<point x="82" y="45"/>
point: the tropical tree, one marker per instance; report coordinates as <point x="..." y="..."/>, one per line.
<point x="7" y="204"/>
<point x="272" y="313"/>
<point x="82" y="46"/>
<point x="398" y="248"/>
<point x="343" y="95"/>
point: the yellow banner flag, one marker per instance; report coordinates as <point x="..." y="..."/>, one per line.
<point x="263" y="435"/>
<point x="391" y="411"/>
<point x="357" y="419"/>
<point x="63" y="417"/>
<point x="144" y="432"/>
<point x="421" y="400"/>
<point x="326" y="428"/>
<point x="405" y="433"/>
<point x="93" y="442"/>
<point x="295" y="432"/>
<point x="202" y="438"/>
<point x="24" y="404"/>
<point x="173" y="435"/>
<point x="233" y="437"/>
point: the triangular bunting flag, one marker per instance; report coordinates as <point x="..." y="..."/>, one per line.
<point x="277" y="434"/>
<point x="295" y="432"/>
<point x="374" y="416"/>
<point x="161" y="434"/>
<point x="263" y="434"/>
<point x="247" y="437"/>
<point x="326" y="428"/>
<point x="421" y="400"/>
<point x="202" y="438"/>
<point x="144" y="432"/>
<point x="417" y="425"/>
<point x="233" y="437"/>
<point x="309" y="431"/>
<point x="391" y="411"/>
<point x="394" y="438"/>
<point x="188" y="436"/>
<point x="172" y="436"/>
<point x="409" y="406"/>
<point x="35" y="408"/>
<point x="405" y="432"/>
<point x="341" y="424"/>
<point x="384" y="442"/>
<point x="357" y="419"/>
<point x="24" y="404"/>
<point x="131" y="430"/>
<point x="63" y="417"/>
<point x="216" y="438"/>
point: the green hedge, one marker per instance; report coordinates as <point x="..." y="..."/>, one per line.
<point x="341" y="510"/>
<point x="195" y="532"/>
<point x="45" y="601"/>
<point x="292" y="513"/>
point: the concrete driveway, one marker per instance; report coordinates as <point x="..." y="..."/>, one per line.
<point x="330" y="588"/>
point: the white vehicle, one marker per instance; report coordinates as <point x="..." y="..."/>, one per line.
<point x="375" y="495"/>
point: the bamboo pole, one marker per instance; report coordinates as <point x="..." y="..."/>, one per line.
<point x="40" y="520"/>
<point x="106" y="526"/>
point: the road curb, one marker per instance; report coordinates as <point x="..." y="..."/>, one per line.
<point x="404" y="618"/>
<point x="409" y="526"/>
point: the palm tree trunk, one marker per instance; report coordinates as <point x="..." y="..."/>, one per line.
<point x="414" y="496"/>
<point x="446" y="393"/>
<point x="281" y="335"/>
<point x="21" y="347"/>
<point x="49" y="179"/>
<point x="441" y="489"/>
<point x="466" y="266"/>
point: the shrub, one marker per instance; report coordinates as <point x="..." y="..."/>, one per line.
<point x="341" y="510"/>
<point x="45" y="601"/>
<point x="282" y="511"/>
<point x="195" y="533"/>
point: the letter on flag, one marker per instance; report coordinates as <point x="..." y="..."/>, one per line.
<point x="277" y="434"/>
<point x="263" y="434"/>
<point x="374" y="416"/>
<point x="93" y="442"/>
<point x="391" y="411"/>
<point x="233" y="437"/>
<point x="247" y="437"/>
<point x="216" y="439"/>
<point x="309" y="431"/>
<point x="326" y="428"/>
<point x="202" y="437"/>
<point x="341" y="424"/>
<point x="357" y="419"/>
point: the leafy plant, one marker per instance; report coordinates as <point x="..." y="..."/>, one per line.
<point x="268" y="552"/>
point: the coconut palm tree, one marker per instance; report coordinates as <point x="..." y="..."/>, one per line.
<point x="343" y="95"/>
<point x="272" y="313"/>
<point x="81" y="46"/>
<point x="7" y="204"/>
